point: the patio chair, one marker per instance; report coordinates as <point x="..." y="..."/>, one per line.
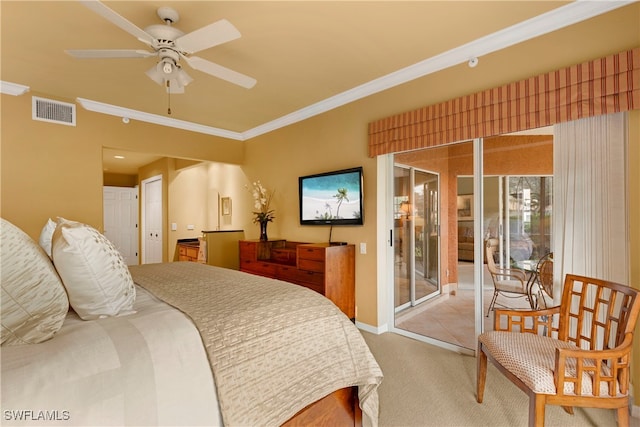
<point x="509" y="282"/>
<point x="544" y="275"/>
<point x="575" y="354"/>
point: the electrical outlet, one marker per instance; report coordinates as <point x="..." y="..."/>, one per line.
<point x="191" y="227"/>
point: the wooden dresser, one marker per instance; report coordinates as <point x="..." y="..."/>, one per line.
<point x="325" y="268"/>
<point x="187" y="250"/>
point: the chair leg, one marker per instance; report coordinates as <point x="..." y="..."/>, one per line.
<point x="493" y="301"/>
<point x="536" y="410"/>
<point x="481" y="373"/>
<point x="623" y="416"/>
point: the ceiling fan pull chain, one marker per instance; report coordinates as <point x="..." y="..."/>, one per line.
<point x="169" y="94"/>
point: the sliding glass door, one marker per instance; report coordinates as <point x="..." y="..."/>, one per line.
<point x="416" y="236"/>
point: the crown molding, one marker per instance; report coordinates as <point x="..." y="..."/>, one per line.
<point x="13" y="88"/>
<point x="553" y="20"/>
<point x="114" y="110"/>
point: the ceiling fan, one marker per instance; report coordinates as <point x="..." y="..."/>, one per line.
<point x="171" y="46"/>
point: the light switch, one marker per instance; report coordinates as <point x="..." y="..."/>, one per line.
<point x="363" y="248"/>
<point x="174" y="226"/>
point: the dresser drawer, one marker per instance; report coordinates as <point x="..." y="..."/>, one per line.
<point x="315" y="253"/>
<point x="247" y="250"/>
<point x="287" y="273"/>
<point x="318" y="288"/>
<point x="295" y="275"/>
<point x="284" y="256"/>
<point x="310" y="265"/>
<point x="259" y="267"/>
<point x="187" y="252"/>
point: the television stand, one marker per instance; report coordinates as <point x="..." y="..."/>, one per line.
<point x="327" y="268"/>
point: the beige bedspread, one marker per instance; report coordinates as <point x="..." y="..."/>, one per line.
<point x="274" y="347"/>
<point x="143" y="369"/>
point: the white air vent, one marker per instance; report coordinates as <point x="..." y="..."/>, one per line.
<point x="48" y="110"/>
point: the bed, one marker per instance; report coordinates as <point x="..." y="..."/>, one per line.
<point x="196" y="345"/>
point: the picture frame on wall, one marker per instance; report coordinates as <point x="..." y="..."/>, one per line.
<point x="225" y="205"/>
<point x="465" y="207"/>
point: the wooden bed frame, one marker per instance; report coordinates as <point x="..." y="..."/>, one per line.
<point x="340" y="408"/>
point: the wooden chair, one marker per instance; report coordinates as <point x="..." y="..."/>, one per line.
<point x="576" y="354"/>
<point x="509" y="282"/>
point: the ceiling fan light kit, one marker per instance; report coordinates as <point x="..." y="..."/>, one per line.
<point x="170" y="45"/>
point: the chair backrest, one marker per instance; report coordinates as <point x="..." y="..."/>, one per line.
<point x="597" y="314"/>
<point x="491" y="246"/>
<point x="545" y="276"/>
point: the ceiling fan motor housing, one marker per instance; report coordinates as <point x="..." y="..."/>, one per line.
<point x="164" y="35"/>
<point x="168" y="15"/>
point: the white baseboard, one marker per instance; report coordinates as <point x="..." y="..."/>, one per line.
<point x="372" y="329"/>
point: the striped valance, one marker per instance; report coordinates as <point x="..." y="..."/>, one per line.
<point x="603" y="86"/>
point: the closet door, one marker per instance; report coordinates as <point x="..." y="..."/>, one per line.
<point x="152" y="220"/>
<point x="120" y="206"/>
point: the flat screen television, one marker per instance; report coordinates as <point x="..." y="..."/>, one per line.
<point x="332" y="198"/>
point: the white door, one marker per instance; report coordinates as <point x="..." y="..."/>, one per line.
<point x="152" y="217"/>
<point x="121" y="220"/>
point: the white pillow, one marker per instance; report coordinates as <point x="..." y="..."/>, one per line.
<point x="46" y="234"/>
<point x="96" y="277"/>
<point x="34" y="302"/>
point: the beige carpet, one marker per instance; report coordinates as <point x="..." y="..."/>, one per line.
<point x="428" y="386"/>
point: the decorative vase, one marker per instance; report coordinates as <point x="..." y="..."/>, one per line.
<point x="263" y="231"/>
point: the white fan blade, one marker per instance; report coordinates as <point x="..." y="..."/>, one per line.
<point x="211" y="35"/>
<point x="221" y="72"/>
<point x="118" y="20"/>
<point x="109" y="53"/>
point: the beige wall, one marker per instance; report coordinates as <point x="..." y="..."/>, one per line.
<point x="50" y="170"/>
<point x="119" y="180"/>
